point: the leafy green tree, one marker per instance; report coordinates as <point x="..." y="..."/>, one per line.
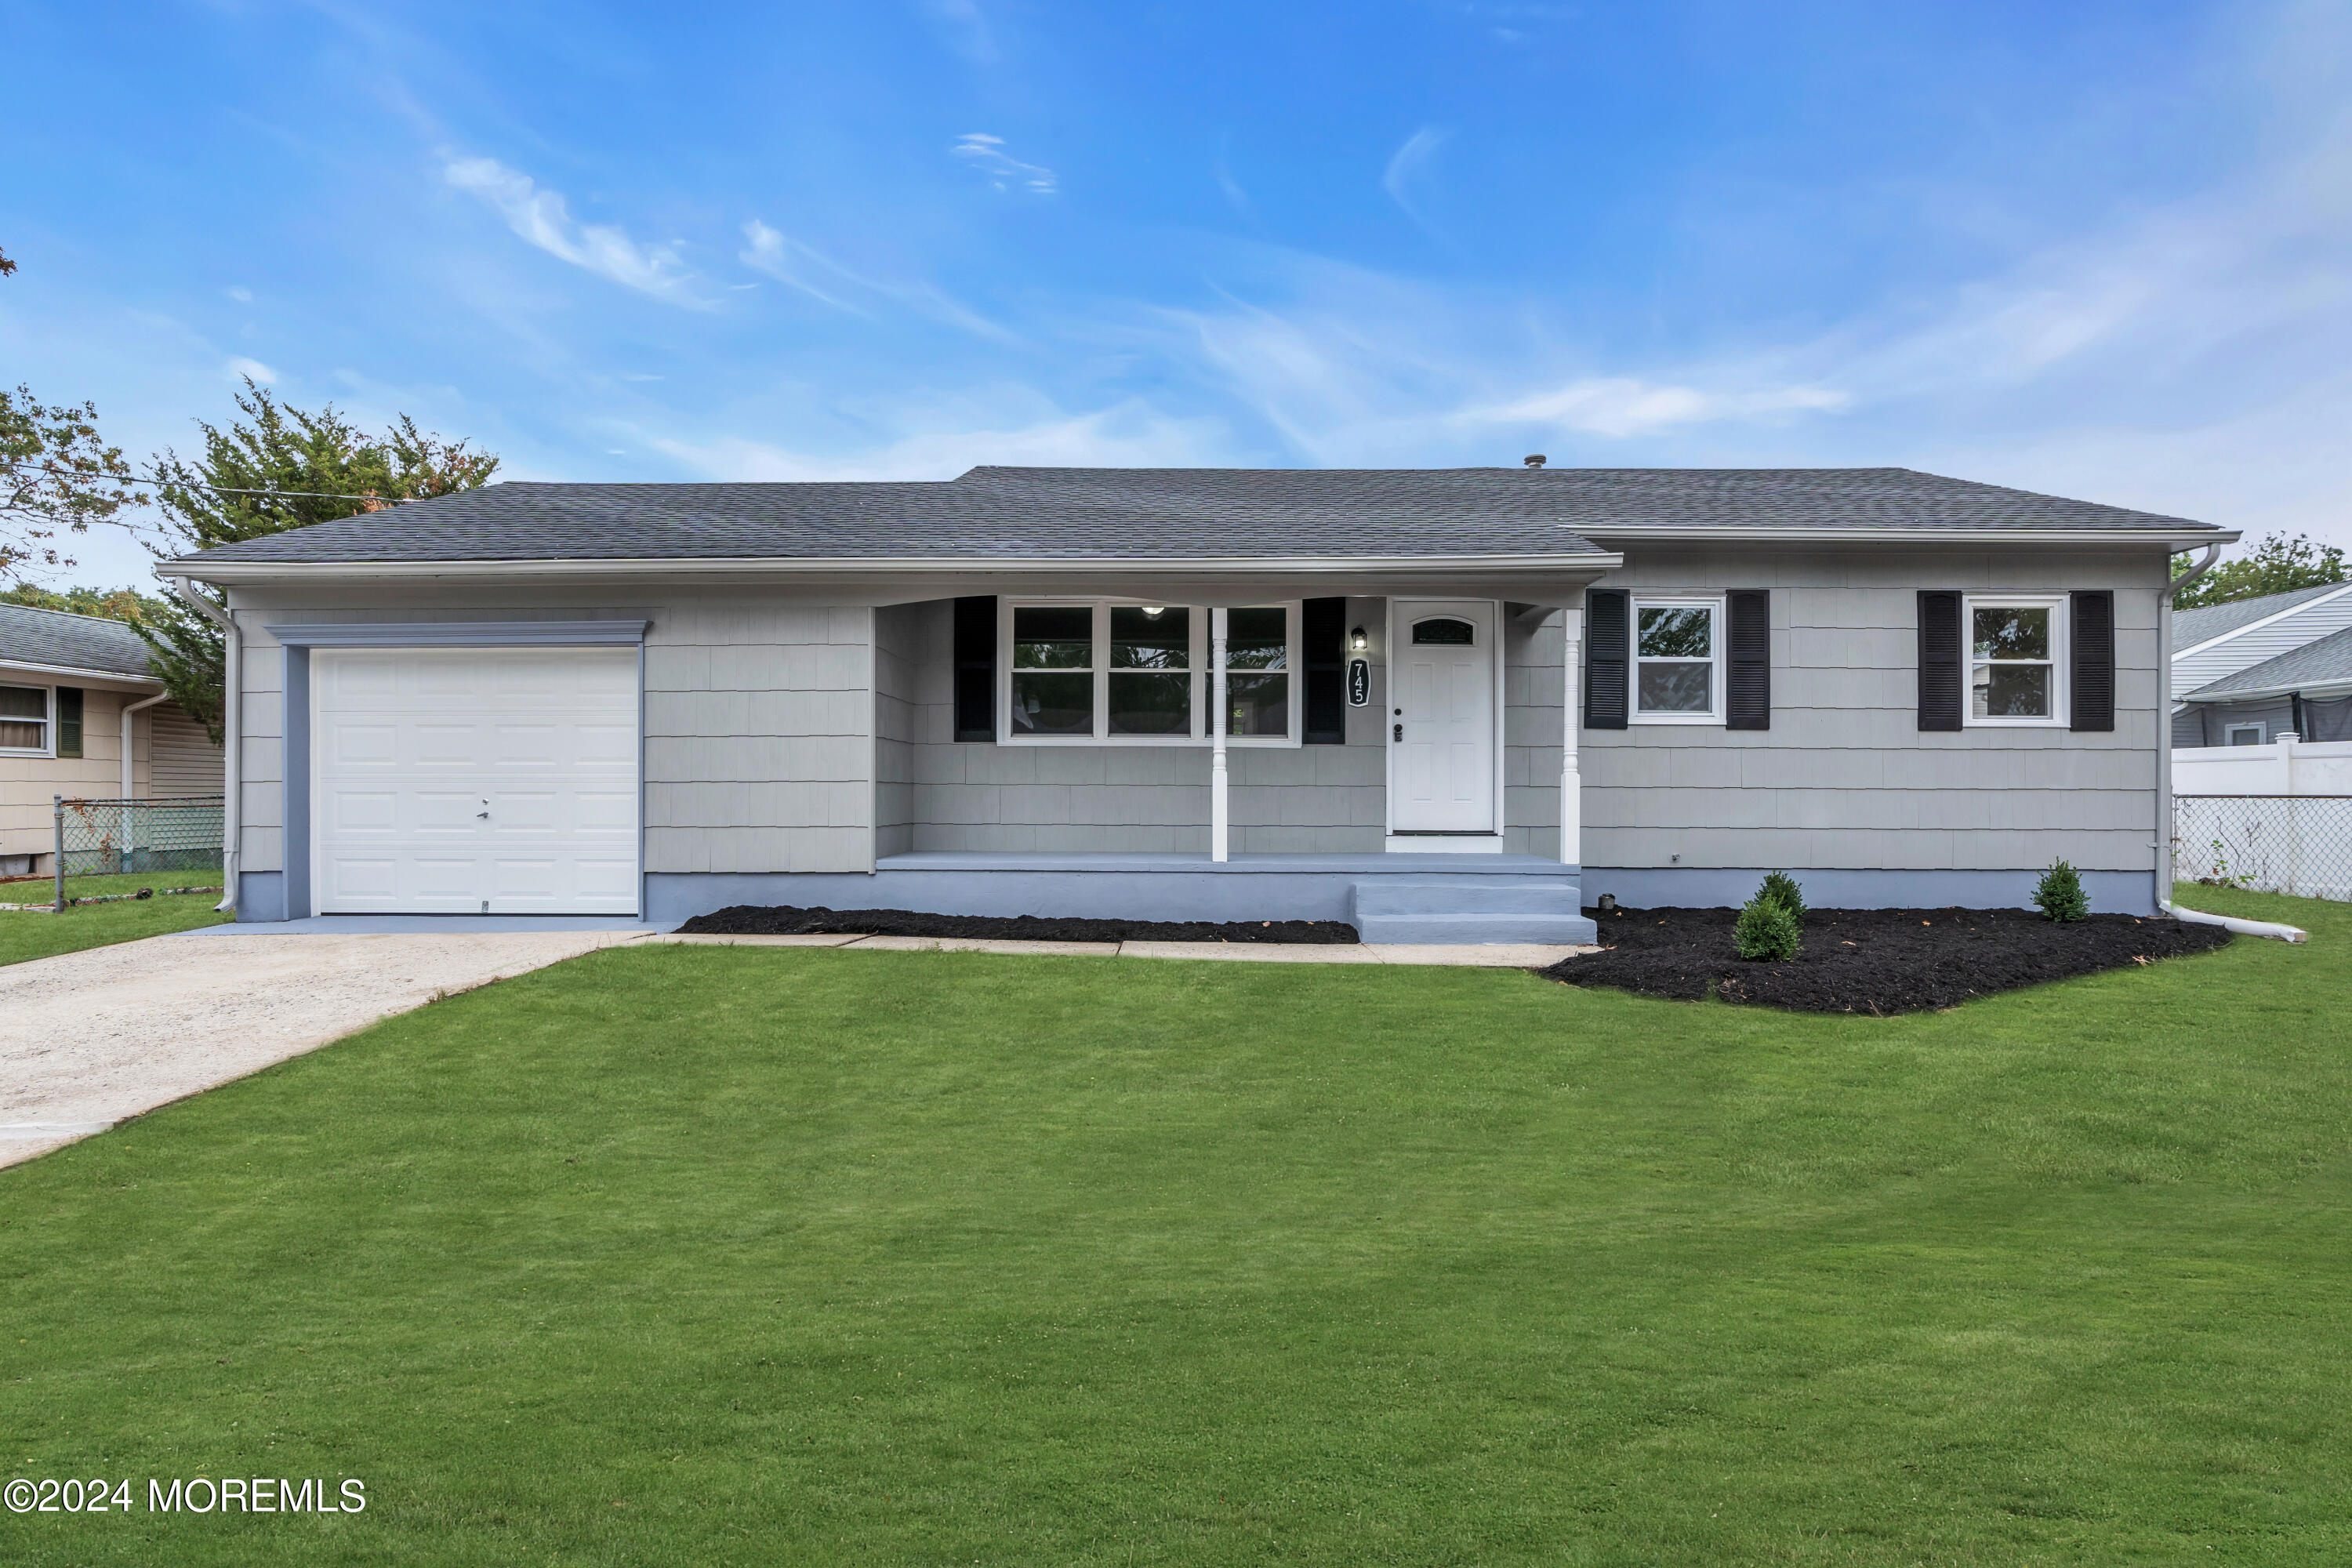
<point x="1767" y="930"/>
<point x="107" y="604"/>
<point x="58" y="475"/>
<point x="281" y="468"/>
<point x="2060" y="893"/>
<point x="2277" y="566"/>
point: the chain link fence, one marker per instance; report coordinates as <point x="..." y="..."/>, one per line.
<point x="114" y="849"/>
<point x="2299" y="844"/>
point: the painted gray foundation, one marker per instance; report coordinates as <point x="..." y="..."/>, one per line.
<point x="260" y="896"/>
<point x="1695" y="887"/>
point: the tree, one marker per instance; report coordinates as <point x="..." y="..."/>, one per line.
<point x="6" y="265"/>
<point x="281" y="468"/>
<point x="107" y="604"/>
<point x="2277" y="566"/>
<point x="56" y="475"/>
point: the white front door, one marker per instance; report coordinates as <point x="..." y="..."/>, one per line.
<point x="1441" y="718"/>
<point x="475" y="781"/>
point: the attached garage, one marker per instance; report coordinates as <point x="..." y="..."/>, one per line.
<point x="499" y="780"/>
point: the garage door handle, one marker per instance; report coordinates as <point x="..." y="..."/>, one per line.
<point x="1400" y="732"/>
<point x="481" y="814"/>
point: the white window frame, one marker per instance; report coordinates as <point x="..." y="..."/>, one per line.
<point x="1198" y="658"/>
<point x="49" y="747"/>
<point x="2229" y="733"/>
<point x="2060" y="694"/>
<point x="1712" y="603"/>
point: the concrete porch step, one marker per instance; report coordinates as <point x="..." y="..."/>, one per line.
<point x="1484" y="910"/>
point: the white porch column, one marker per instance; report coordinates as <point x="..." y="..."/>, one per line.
<point x="1571" y="783"/>
<point x="1217" y="820"/>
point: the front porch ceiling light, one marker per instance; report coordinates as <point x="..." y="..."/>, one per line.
<point x="1155" y="611"/>
<point x="1357" y="641"/>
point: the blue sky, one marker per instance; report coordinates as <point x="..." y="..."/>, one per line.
<point x="2098" y="249"/>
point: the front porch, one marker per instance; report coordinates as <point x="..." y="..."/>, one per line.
<point x="1423" y="897"/>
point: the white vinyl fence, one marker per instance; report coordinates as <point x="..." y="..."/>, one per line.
<point x="2299" y="844"/>
<point x="2286" y="766"/>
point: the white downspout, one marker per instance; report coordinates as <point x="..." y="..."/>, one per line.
<point x="128" y="710"/>
<point x="2164" y="774"/>
<point x="1217" y="818"/>
<point x="232" y="751"/>
<point x="1572" y="781"/>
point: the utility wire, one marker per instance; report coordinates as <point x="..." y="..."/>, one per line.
<point x="203" y="484"/>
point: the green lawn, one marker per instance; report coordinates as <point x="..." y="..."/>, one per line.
<point x="725" y="1255"/>
<point x="26" y="933"/>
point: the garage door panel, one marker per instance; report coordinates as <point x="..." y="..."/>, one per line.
<point x="450" y="778"/>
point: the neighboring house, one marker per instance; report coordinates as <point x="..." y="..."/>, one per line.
<point x="2248" y="671"/>
<point x="1458" y="702"/>
<point x="74" y="692"/>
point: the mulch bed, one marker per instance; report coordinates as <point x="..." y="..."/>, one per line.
<point x="1872" y="961"/>
<point x="782" y="919"/>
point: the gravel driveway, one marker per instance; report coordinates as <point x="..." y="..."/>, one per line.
<point x="88" y="1038"/>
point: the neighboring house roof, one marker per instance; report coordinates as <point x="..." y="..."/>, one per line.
<point x="2207" y="622"/>
<point x="2315" y="666"/>
<point x="56" y="640"/>
<point x="2228" y="638"/>
<point x="999" y="513"/>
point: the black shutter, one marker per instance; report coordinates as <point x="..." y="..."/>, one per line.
<point x="1323" y="636"/>
<point x="1748" y="686"/>
<point x="1939" y="659"/>
<point x="2092" y="642"/>
<point x="1607" y="657"/>
<point x="69" y="721"/>
<point x="975" y="668"/>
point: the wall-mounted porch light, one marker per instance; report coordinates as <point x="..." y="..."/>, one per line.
<point x="1357" y="641"/>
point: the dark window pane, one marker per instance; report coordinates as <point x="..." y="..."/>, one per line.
<point x="1150" y="704"/>
<point x="1258" y="705"/>
<point x="1677" y="634"/>
<point x="1053" y="704"/>
<point x="1146" y="638"/>
<point x="1677" y="687"/>
<point x="2012" y="634"/>
<point x="1257" y="639"/>
<point x="23" y="703"/>
<point x="1443" y="634"/>
<point x="1053" y="638"/>
<point x="2013" y="691"/>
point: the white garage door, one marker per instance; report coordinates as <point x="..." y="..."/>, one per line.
<point x="475" y="781"/>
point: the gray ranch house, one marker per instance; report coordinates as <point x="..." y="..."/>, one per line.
<point x="1448" y="705"/>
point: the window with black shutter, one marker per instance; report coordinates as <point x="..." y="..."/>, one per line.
<point x="975" y="668"/>
<point x="1323" y="633"/>
<point x="1606" y="657"/>
<point x="1748" y="644"/>
<point x="1939" y="659"/>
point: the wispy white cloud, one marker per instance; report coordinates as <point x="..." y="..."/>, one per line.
<point x="243" y="369"/>
<point x="242" y="296"/>
<point x="965" y="28"/>
<point x="939" y="441"/>
<point x="1618" y="407"/>
<point x="811" y="271"/>
<point x="1002" y="169"/>
<point x="1409" y="166"/>
<point x="542" y="217"/>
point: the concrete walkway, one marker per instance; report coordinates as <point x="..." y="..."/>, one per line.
<point x="89" y="1038"/>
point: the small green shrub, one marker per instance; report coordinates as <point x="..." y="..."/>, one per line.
<point x="2060" y="893"/>
<point x="1767" y="930"/>
<point x="1782" y="888"/>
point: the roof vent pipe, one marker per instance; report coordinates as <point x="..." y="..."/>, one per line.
<point x="1533" y="459"/>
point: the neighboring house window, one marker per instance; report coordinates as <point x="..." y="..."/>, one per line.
<point x="2017" y="659"/>
<point x="2243" y="735"/>
<point x="1128" y="674"/>
<point x="1677" y="660"/>
<point x="24" y="719"/>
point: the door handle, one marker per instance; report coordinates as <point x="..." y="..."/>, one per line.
<point x="1400" y="732"/>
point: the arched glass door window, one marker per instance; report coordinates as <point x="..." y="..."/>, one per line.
<point x="1443" y="631"/>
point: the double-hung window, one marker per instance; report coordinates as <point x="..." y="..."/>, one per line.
<point x="2017" y="659"/>
<point x="1677" y="660"/>
<point x="25" y="720"/>
<point x="1128" y="674"/>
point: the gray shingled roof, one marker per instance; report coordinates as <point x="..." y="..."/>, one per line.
<point x="2207" y="622"/>
<point x="2326" y="662"/>
<point x="1168" y="514"/>
<point x="72" y="641"/>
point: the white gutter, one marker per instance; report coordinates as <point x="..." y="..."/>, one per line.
<point x="226" y="572"/>
<point x="25" y="667"/>
<point x="2317" y="691"/>
<point x="232" y="711"/>
<point x="2243" y="928"/>
<point x="1218" y="820"/>
<point x="128" y="710"/>
<point x="2182" y="540"/>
